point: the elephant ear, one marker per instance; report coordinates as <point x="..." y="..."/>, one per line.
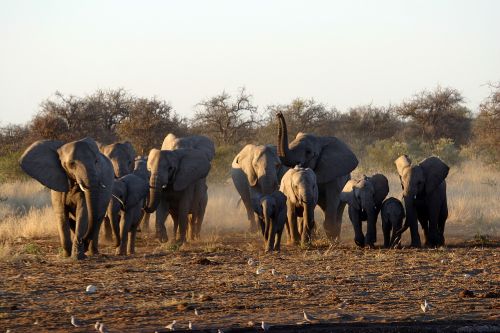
<point x="335" y="159"/>
<point x="130" y="149"/>
<point x="244" y="160"/>
<point x="193" y="165"/>
<point x="169" y="142"/>
<point x="137" y="189"/>
<point x="435" y="172"/>
<point x="257" y="207"/>
<point x="381" y="186"/>
<point x="402" y="162"/>
<point x="286" y="186"/>
<point x="41" y="161"/>
<point x="92" y="144"/>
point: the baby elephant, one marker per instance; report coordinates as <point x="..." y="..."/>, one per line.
<point x="299" y="186"/>
<point x="271" y="212"/>
<point x="392" y="214"/>
<point x="125" y="210"/>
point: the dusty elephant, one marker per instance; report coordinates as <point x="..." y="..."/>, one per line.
<point x="392" y="214"/>
<point x="424" y="193"/>
<point x="299" y="186"/>
<point x="256" y="171"/>
<point x="121" y="155"/>
<point x="205" y="145"/>
<point x="330" y="159"/>
<point x="81" y="180"/>
<point x="125" y="210"/>
<point x="174" y="178"/>
<point x="271" y="212"/>
<point x="364" y="198"/>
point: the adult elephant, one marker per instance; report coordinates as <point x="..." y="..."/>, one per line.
<point x="256" y="170"/>
<point x="205" y="145"/>
<point x="81" y="180"/>
<point x="424" y="194"/>
<point x="330" y="159"/>
<point x="173" y="182"/>
<point x="365" y="197"/>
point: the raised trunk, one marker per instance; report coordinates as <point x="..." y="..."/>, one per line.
<point x="283" y="150"/>
<point x="154" y="195"/>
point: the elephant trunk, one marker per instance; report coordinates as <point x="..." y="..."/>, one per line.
<point x="92" y="203"/>
<point x="307" y="223"/>
<point x="283" y="149"/>
<point x="154" y="195"/>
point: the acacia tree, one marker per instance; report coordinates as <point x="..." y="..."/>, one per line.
<point x="226" y="120"/>
<point x="438" y="114"/>
<point x="147" y="123"/>
<point x="487" y="127"/>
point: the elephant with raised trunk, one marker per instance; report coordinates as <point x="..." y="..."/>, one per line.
<point x="299" y="186"/>
<point x="331" y="160"/>
<point x="392" y="214"/>
<point x="271" y="212"/>
<point x="256" y="171"/>
<point x="173" y="183"/>
<point x="81" y="180"/>
<point x="424" y="193"/>
<point x="125" y="210"/>
<point x="364" y="198"/>
<point x="205" y="145"/>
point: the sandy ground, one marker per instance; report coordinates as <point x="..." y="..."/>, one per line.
<point x="341" y="285"/>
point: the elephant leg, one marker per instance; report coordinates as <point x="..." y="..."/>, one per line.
<point x="62" y="218"/>
<point x="386" y="228"/>
<point x="81" y="217"/>
<point x="145" y="221"/>
<point x="333" y="208"/>
<point x="108" y="233"/>
<point x="277" y="240"/>
<point x="423" y="219"/>
<point x="359" y="237"/>
<point x="371" y="230"/>
<point x="443" y="216"/>
<point x="270" y="239"/>
<point x="201" y="215"/>
<point x="124" y="229"/>
<point x="307" y="225"/>
<point x="131" y="241"/>
<point x="434" y="234"/>
<point x="161" y="219"/>
<point x="191" y="227"/>
<point x="241" y="184"/>
<point x="182" y="220"/>
<point x="293" y="236"/>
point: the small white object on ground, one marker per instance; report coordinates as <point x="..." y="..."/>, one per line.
<point x="97" y="325"/>
<point x="251" y="262"/>
<point x="259" y="270"/>
<point x="74" y="322"/>
<point x="308" y="317"/>
<point x="171" y="325"/>
<point x="273" y="271"/>
<point x="91" y="289"/>
<point x="265" y="326"/>
<point x="190" y="325"/>
<point x="425" y="306"/>
<point x="196" y="313"/>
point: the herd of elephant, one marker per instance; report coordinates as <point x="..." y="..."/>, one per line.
<point x="280" y="186"/>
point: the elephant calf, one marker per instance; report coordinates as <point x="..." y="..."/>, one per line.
<point x="271" y="212"/>
<point x="392" y="214"/>
<point x="299" y="186"/>
<point x="365" y="197"/>
<point x="125" y="210"/>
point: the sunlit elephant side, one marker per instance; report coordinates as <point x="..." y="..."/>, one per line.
<point x="81" y="180"/>
<point x="331" y="160"/>
<point x="364" y="197"/>
<point x="173" y="182"/>
<point x="299" y="186"/>
<point x="256" y="171"/>
<point x="125" y="210"/>
<point x="424" y="192"/>
<point x="205" y="145"/>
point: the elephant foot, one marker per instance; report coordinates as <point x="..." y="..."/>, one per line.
<point x="66" y="253"/>
<point x="79" y="256"/>
<point x="415" y="245"/>
<point x="120" y="252"/>
<point x="371" y="245"/>
<point x="360" y="241"/>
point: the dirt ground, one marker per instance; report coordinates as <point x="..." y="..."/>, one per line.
<point x="343" y="287"/>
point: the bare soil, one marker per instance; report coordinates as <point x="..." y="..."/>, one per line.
<point x="345" y="288"/>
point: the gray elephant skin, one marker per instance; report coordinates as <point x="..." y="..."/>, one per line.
<point x="205" y="145"/>
<point x="174" y="179"/>
<point x="256" y="171"/>
<point x="424" y="195"/>
<point x="299" y="186"/>
<point x="364" y="198"/>
<point x="271" y="212"/>
<point x="125" y="210"/>
<point x="392" y="214"/>
<point x="81" y="180"/>
<point x="121" y="155"/>
<point x="331" y="160"/>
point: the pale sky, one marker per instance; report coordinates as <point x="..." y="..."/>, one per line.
<point x="342" y="53"/>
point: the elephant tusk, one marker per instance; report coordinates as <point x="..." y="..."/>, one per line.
<point x="415" y="197"/>
<point x="102" y="185"/>
<point x="164" y="186"/>
<point x="82" y="188"/>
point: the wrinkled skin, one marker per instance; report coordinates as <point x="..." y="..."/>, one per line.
<point x="256" y="171"/>
<point x="365" y="197"/>
<point x="299" y="186"/>
<point x="392" y="214"/>
<point x="175" y="176"/>
<point x="205" y="145"/>
<point x="424" y="193"/>
<point x="121" y="155"/>
<point x="331" y="160"/>
<point x="81" y="180"/>
<point x="271" y="212"/>
<point x="125" y="210"/>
